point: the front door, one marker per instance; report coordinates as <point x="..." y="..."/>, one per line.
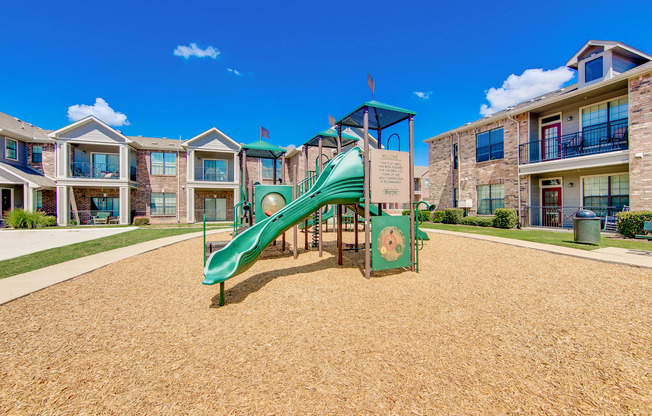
<point x="551" y="207"/>
<point x="215" y="209"/>
<point x="551" y="141"/>
<point x="7" y="196"/>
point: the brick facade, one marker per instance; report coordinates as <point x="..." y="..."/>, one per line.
<point x="49" y="202"/>
<point x="472" y="174"/>
<point x="48" y="163"/>
<point x="149" y="183"/>
<point x="200" y="194"/>
<point x="640" y="142"/>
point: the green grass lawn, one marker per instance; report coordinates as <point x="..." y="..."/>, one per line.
<point x="57" y="255"/>
<point x="558" y="238"/>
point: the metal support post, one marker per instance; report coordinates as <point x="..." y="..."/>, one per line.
<point x="367" y="198"/>
<point x="411" y="165"/>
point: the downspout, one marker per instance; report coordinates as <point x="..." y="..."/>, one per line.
<point x="518" y="161"/>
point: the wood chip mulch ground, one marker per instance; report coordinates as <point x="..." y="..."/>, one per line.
<point x="485" y="328"/>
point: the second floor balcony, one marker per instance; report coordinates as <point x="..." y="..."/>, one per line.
<point x="213" y="174"/>
<point x="95" y="170"/>
<point x="601" y="138"/>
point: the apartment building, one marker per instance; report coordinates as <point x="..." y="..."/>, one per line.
<point x="588" y="145"/>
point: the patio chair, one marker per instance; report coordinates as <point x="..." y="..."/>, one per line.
<point x="102" y="217"/>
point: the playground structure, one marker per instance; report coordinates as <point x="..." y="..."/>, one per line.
<point x="266" y="212"/>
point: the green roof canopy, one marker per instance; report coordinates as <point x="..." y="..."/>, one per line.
<point x="262" y="150"/>
<point x="329" y="139"/>
<point x="380" y="116"/>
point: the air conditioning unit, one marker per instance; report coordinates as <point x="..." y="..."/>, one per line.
<point x="465" y="203"/>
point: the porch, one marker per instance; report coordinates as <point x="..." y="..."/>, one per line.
<point x="562" y="216"/>
<point x="93" y="206"/>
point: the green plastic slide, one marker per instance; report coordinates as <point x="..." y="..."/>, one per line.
<point x="341" y="182"/>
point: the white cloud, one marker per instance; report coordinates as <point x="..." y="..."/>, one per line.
<point x="530" y="84"/>
<point x="100" y="110"/>
<point x="234" y="71"/>
<point x="194" y="50"/>
<point x="424" y="95"/>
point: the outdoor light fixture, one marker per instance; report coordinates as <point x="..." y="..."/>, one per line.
<point x="569" y="118"/>
<point x="639" y="155"/>
<point x="570" y="184"/>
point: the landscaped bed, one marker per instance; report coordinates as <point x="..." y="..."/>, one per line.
<point x="484" y="328"/>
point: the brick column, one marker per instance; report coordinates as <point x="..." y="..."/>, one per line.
<point x="640" y="145"/>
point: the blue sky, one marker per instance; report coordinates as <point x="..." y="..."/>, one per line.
<point x="296" y="61"/>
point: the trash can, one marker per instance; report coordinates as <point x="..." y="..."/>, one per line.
<point x="586" y="227"/>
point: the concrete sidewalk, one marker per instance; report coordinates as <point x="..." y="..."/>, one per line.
<point x="615" y="255"/>
<point x="23" y="284"/>
<point x="16" y="243"/>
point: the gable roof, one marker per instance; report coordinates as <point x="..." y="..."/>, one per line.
<point x="19" y="129"/>
<point x="209" y="131"/>
<point x="33" y="178"/>
<point x="606" y="45"/>
<point x="419" y="171"/>
<point x="89" y="119"/>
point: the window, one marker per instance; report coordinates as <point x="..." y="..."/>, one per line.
<point x="163" y="203"/>
<point x="268" y="169"/>
<point x="215" y="170"/>
<point x="593" y="70"/>
<point x="163" y="163"/>
<point x="604" y="120"/>
<point x="456" y="197"/>
<point x="111" y="205"/>
<point x="11" y="149"/>
<point x="39" y="199"/>
<point x="601" y="192"/>
<point x="455" y="150"/>
<point x="106" y="165"/>
<point x="426" y="183"/>
<point x="489" y="145"/>
<point x="490" y="197"/>
<point x="37" y="153"/>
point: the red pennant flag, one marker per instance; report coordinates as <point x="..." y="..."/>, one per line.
<point x="331" y="120"/>
<point x="372" y="85"/>
<point x="264" y="133"/>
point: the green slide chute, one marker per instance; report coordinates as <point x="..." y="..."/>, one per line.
<point x="341" y="182"/>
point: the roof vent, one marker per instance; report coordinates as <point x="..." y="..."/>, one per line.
<point x="154" y="142"/>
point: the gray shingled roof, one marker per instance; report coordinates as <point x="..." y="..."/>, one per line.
<point x="19" y="129"/>
<point x="28" y="174"/>
<point x="154" y="143"/>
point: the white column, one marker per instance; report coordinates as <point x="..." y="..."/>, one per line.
<point x="62" y="159"/>
<point x="125" y="205"/>
<point x="63" y="205"/>
<point x="190" y="203"/>
<point x="191" y="167"/>
<point x="236" y="169"/>
<point x="124" y="164"/>
<point x="29" y="198"/>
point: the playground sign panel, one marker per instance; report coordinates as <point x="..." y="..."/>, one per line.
<point x="390" y="175"/>
<point x="390" y="238"/>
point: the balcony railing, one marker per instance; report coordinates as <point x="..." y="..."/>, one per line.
<point x="562" y="217"/>
<point x="95" y="170"/>
<point x="212" y="175"/>
<point x="601" y="138"/>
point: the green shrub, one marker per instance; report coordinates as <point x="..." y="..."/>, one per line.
<point x="452" y="215"/>
<point x="406" y="212"/>
<point x="141" y="220"/>
<point x="19" y="218"/>
<point x="478" y="221"/>
<point x="505" y="218"/>
<point x="436" y="216"/>
<point x="631" y="223"/>
<point x="425" y="215"/>
<point x="48" y="221"/>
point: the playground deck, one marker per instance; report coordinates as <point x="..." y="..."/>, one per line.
<point x="484" y="328"/>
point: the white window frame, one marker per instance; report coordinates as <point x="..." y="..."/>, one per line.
<point x="7" y="139"/>
<point x="598" y="103"/>
<point x="176" y="163"/>
<point x="176" y="204"/>
<point x="598" y="175"/>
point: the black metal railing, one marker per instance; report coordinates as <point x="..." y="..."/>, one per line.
<point x="95" y="170"/>
<point x="214" y="215"/>
<point x="94" y="217"/>
<point x="601" y="138"/>
<point x="213" y="175"/>
<point x="562" y="217"/>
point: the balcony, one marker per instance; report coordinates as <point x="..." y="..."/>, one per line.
<point x="95" y="170"/>
<point x="601" y="138"/>
<point x="562" y="216"/>
<point x="210" y="174"/>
